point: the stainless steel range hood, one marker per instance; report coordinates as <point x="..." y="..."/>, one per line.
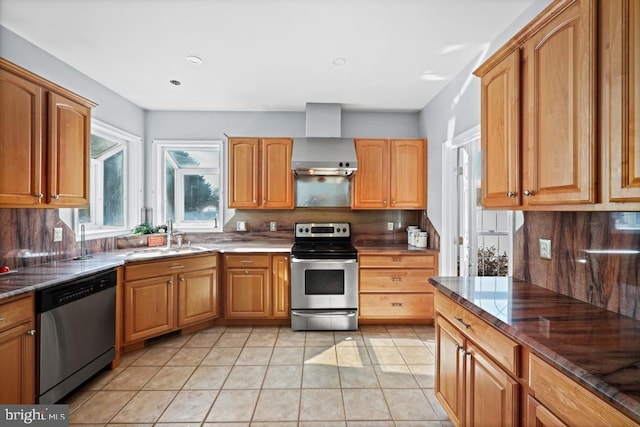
<point x="322" y="151"/>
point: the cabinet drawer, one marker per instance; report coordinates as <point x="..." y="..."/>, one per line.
<point x="500" y="347"/>
<point x="169" y="266"/>
<point x="396" y="306"/>
<point x="395" y="261"/>
<point x="391" y="280"/>
<point x="246" y="261"/>
<point x="569" y="401"/>
<point x="16" y="312"/>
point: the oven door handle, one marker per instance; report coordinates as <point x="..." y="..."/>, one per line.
<point x="324" y="313"/>
<point x="332" y="261"/>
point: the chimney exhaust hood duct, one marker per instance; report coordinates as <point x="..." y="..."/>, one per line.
<point x="323" y="152"/>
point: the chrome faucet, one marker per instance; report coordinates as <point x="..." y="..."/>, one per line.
<point x="169" y="232"/>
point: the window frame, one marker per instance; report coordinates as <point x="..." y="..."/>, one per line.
<point x="131" y="146"/>
<point x="160" y="149"/>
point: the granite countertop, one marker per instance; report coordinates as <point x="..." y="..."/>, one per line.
<point x="598" y="348"/>
<point x="27" y="279"/>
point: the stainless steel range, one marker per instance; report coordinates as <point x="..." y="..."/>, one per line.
<point x="324" y="278"/>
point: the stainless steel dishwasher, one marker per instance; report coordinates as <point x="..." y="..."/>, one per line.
<point x="76" y="326"/>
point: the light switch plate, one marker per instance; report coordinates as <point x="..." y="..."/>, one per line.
<point x="545" y="248"/>
<point x="57" y="234"/>
<point x="390" y="226"/>
<point x="273" y="226"/>
<point x="241" y="226"/>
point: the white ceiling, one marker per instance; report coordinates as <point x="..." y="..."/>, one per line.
<point x="265" y="55"/>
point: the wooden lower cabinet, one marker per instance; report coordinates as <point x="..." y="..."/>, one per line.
<point x="256" y="286"/>
<point x="17" y="351"/>
<point x="480" y="380"/>
<point x="163" y="296"/>
<point x="394" y="287"/>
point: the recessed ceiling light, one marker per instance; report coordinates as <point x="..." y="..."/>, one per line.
<point x="194" y="59"/>
<point x="339" y="61"/>
<point x="175" y="82"/>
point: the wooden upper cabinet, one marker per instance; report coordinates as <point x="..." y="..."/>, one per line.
<point x="621" y="96"/>
<point x="20" y="141"/>
<point x="559" y="100"/>
<point x="44" y="142"/>
<point x="371" y="181"/>
<point x="260" y="174"/>
<point x="68" y="154"/>
<point x="392" y="174"/>
<point x="538" y="112"/>
<point x="408" y="174"/>
<point x="277" y="178"/>
<point x="500" y="94"/>
<point x="243" y="172"/>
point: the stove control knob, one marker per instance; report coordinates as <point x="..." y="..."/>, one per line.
<point x="306" y="230"/>
<point x="347" y="164"/>
<point x="344" y="230"/>
<point x="300" y="229"/>
<point x="340" y="164"/>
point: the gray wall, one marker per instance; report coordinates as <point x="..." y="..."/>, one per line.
<point x="112" y="108"/>
<point x="456" y="109"/>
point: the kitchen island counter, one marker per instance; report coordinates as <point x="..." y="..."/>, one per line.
<point x="597" y="348"/>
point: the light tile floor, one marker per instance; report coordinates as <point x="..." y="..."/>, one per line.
<point x="377" y="376"/>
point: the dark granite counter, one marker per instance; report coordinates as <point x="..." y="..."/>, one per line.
<point x="29" y="279"/>
<point x="596" y="347"/>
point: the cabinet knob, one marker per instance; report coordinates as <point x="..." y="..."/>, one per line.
<point x="511" y="194"/>
<point x="393" y="202"/>
<point x="528" y="193"/>
<point x="39" y="195"/>
<point x="254" y="200"/>
<point x="169" y="282"/>
<point x="246" y="272"/>
<point x="182" y="279"/>
<point x="384" y="202"/>
<point x="55" y="196"/>
<point x="264" y="201"/>
<point x="31" y="332"/>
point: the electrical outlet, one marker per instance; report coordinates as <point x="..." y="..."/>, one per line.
<point x="241" y="226"/>
<point x="545" y="248"/>
<point x="390" y="226"/>
<point x="57" y="234"/>
<point x="273" y="226"/>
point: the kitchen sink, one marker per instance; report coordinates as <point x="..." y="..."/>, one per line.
<point x="161" y="252"/>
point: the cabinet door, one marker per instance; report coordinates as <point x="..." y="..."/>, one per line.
<point x="623" y="17"/>
<point x="277" y="178"/>
<point x="247" y="293"/>
<point x="197" y="296"/>
<point x="408" y="172"/>
<point x="500" y="107"/>
<point x="559" y="95"/>
<point x="450" y="370"/>
<point x="68" y="153"/>
<point x="17" y="365"/>
<point x="492" y="395"/>
<point x="281" y="282"/>
<point x="243" y="173"/>
<point x="539" y="416"/>
<point x="371" y="181"/>
<point x="21" y="166"/>
<point x="148" y="308"/>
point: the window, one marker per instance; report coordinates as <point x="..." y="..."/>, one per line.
<point x="113" y="182"/>
<point x="189" y="185"/>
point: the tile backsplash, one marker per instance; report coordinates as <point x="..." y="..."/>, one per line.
<point x="595" y="256"/>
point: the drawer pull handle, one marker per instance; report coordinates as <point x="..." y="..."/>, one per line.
<point x="2" y="319"/>
<point x="176" y="267"/>
<point x="459" y="320"/>
<point x="396" y="279"/>
<point x="31" y="332"/>
<point x="396" y="304"/>
<point x="246" y="261"/>
<point x="396" y="259"/>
